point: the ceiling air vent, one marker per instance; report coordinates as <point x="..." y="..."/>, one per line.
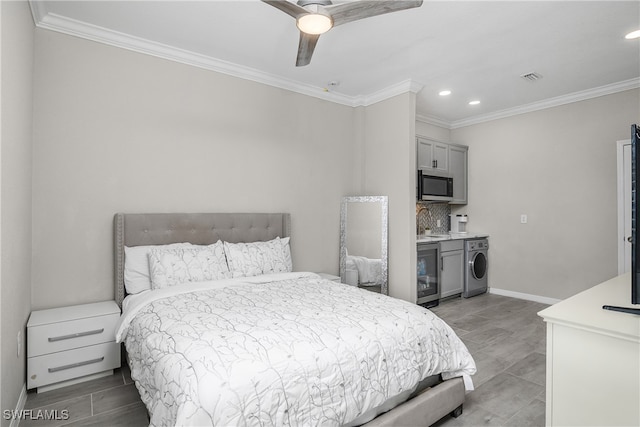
<point x="532" y="77"/>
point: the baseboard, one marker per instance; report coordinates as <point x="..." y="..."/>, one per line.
<point x="520" y="295"/>
<point x="22" y="400"/>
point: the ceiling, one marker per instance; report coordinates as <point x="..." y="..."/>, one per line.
<point x="476" y="49"/>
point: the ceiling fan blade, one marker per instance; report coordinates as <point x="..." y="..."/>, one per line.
<point x="352" y="11"/>
<point x="305" y="48"/>
<point x="289" y="8"/>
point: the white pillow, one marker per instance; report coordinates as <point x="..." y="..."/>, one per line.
<point x="286" y="250"/>
<point x="137" y="276"/>
<point x="252" y="259"/>
<point x="173" y="266"/>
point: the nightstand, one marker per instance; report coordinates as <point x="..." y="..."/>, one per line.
<point x="72" y="344"/>
<point x="329" y="277"/>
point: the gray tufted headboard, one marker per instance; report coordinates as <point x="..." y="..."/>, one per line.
<point x="197" y="228"/>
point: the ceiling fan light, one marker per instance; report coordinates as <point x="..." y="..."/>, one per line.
<point x="314" y="23"/>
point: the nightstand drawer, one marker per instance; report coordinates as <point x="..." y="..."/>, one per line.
<point x="56" y="337"/>
<point x="64" y="365"/>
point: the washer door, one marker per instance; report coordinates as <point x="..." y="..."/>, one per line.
<point x="478" y="265"/>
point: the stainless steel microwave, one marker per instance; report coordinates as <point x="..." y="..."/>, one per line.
<point x="434" y="187"/>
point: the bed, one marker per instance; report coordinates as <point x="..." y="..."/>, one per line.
<point x="284" y="348"/>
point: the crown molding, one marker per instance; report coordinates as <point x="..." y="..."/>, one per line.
<point x="391" y="91"/>
<point x="551" y="102"/>
<point x="534" y="106"/>
<point x="53" y="22"/>
<point x="38" y="11"/>
<point x="98" y="34"/>
<point x="72" y="27"/>
<point x="433" y="120"/>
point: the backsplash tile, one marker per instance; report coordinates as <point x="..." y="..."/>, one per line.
<point x="428" y="214"/>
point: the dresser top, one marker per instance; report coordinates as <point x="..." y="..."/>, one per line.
<point x="73" y="312"/>
<point x="584" y="310"/>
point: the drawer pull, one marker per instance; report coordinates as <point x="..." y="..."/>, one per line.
<point x="78" y="335"/>
<point x="76" y="365"/>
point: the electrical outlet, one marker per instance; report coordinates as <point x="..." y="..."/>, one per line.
<point x="19" y="339"/>
<point x="523" y="219"/>
<point x="438" y="222"/>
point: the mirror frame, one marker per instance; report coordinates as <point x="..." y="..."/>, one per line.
<point x="384" y="209"/>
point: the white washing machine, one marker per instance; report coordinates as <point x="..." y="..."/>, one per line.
<point x="475" y="260"/>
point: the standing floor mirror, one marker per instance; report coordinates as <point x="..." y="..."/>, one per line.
<point x="363" y="242"/>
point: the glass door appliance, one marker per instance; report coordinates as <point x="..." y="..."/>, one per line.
<point x="428" y="274"/>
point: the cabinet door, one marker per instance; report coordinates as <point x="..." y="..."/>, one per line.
<point x="425" y="154"/>
<point x="452" y="279"/>
<point x="441" y="157"/>
<point x="458" y="171"/>
<point x="432" y="155"/>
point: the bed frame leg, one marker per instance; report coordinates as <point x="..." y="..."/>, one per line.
<point x="457" y="412"/>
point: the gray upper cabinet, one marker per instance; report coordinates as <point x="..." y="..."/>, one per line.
<point x="433" y="156"/>
<point x="441" y="158"/>
<point x="458" y="155"/>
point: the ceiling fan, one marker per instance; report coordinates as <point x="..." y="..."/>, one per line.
<point x="316" y="17"/>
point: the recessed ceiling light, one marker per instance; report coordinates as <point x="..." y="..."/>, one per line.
<point x="633" y="35"/>
<point x="476" y="102"/>
<point x="444" y="92"/>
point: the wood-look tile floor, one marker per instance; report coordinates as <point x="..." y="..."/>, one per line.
<point x="504" y="335"/>
<point x="507" y="340"/>
<point x="108" y="401"/>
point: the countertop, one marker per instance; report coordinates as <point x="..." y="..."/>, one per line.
<point x="427" y="238"/>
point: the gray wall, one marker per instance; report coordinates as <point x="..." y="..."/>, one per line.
<point x="558" y="166"/>
<point x="432" y="131"/>
<point x="390" y="158"/>
<point x="15" y="194"/>
<point x="120" y="131"/>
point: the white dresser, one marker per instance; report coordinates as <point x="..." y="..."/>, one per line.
<point x="593" y="359"/>
<point x="67" y="345"/>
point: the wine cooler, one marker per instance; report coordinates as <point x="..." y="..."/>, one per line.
<point x="428" y="274"/>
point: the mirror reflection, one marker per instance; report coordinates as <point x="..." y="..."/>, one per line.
<point x="363" y="242"/>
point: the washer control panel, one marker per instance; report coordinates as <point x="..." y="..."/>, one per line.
<point x="477" y="245"/>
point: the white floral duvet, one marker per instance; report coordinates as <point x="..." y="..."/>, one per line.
<point x="281" y="349"/>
